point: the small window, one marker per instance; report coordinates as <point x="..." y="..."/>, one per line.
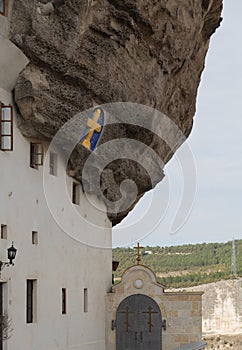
<point x="4" y="232"/>
<point x="53" y="163"/>
<point x="4" y="306"/>
<point x="6" y="134"/>
<point x="63" y="295"/>
<point x="85" y="300"/>
<point x="31" y="301"/>
<point x="3" y="7"/>
<point x="34" y="237"/>
<point x="76" y="193"/>
<point x="36" y="154"/>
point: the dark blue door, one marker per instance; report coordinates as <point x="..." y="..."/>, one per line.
<point x="138" y="324"/>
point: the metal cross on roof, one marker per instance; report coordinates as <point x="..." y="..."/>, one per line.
<point x="138" y="253"/>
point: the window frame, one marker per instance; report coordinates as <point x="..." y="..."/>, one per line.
<point x="31" y="301"/>
<point x="34" y="154"/>
<point x="63" y="301"/>
<point x="2" y="135"/>
<point x="4" y="231"/>
<point x="76" y="193"/>
<point x="4" y="8"/>
<point x="85" y="300"/>
<point x="35" y="238"/>
<point x="53" y="163"/>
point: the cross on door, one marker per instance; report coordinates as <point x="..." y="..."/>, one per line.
<point x="150" y="312"/>
<point x="127" y="313"/>
<point x="138" y="324"/>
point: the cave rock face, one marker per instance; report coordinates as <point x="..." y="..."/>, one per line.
<point x="84" y="53"/>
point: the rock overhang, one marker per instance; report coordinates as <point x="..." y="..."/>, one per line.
<point x="81" y="54"/>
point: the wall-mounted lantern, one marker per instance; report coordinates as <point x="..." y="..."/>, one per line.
<point x="114" y="268"/>
<point x="115" y="265"/>
<point x="12" y="251"/>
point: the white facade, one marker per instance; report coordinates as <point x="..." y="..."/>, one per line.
<point x="57" y="260"/>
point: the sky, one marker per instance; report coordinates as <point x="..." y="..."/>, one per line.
<point x="216" y="145"/>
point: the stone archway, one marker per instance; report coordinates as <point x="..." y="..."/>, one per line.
<point x="138" y="324"/>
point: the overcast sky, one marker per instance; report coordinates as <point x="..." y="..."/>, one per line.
<point x="216" y="143"/>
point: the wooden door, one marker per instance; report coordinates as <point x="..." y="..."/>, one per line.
<point x="139" y="324"/>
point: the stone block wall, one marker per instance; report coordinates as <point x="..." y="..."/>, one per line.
<point x="183" y="314"/>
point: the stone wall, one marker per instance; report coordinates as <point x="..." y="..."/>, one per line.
<point x="183" y="313"/>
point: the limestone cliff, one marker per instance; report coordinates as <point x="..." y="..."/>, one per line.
<point x="222" y="307"/>
<point x="223" y="342"/>
<point x="82" y="52"/>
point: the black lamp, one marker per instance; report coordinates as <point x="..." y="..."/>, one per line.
<point x="12" y="254"/>
<point x="12" y="251"/>
<point x="115" y="265"/>
<point x="114" y="268"/>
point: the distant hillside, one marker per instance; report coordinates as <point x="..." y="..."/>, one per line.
<point x="184" y="265"/>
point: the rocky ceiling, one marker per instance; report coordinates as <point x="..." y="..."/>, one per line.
<point x="84" y="53"/>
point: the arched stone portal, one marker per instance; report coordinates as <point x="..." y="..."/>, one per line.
<point x="139" y="324"/>
<point x="142" y="315"/>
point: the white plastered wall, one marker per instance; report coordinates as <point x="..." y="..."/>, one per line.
<point x="58" y="260"/>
